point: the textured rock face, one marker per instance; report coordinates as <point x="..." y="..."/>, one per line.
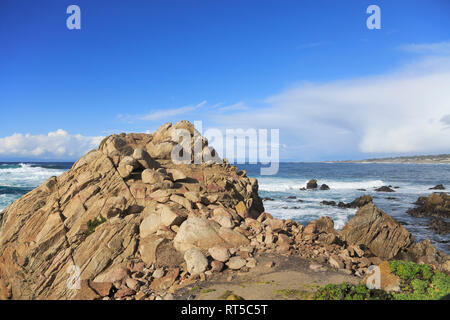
<point x="373" y="228"/>
<point x="102" y="214"/>
<point x="435" y="205"/>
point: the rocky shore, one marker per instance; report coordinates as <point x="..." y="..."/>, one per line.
<point x="137" y="226"/>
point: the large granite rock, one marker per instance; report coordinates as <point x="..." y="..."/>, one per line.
<point x="101" y="214"/>
<point x="381" y="233"/>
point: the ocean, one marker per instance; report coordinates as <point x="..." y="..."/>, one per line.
<point x="344" y="180"/>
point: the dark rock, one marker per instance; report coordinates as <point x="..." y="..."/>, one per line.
<point x="384" y="189"/>
<point x="361" y="189"/>
<point x="435" y="205"/>
<point x="267" y="199"/>
<point x="292" y="197"/>
<point x="324" y="187"/>
<point x="312" y="184"/>
<point x="438" y="187"/>
<point x="439" y="225"/>
<point x="357" y="203"/>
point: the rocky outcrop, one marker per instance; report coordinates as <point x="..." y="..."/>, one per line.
<point x="123" y="204"/>
<point x="311" y="184"/>
<point x="438" y="187"/>
<point x="373" y="228"/>
<point x="435" y="205"/>
<point x="387" y="239"/>
<point x="384" y="189"/>
<point x="357" y="203"/>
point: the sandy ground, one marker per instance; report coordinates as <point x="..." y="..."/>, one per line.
<point x="289" y="278"/>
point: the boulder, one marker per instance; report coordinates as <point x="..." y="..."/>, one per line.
<point x="219" y="253"/>
<point x="236" y="263"/>
<point x="311" y="184"/>
<point x="435" y="205"/>
<point x="205" y="234"/>
<point x="196" y="261"/>
<point x="382" y="234"/>
<point x="438" y="187"/>
<point x="151" y="176"/>
<point x="144" y="159"/>
<point x="177" y="175"/>
<point x="324" y="187"/>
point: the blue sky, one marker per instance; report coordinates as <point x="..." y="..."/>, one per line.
<point x="334" y="88"/>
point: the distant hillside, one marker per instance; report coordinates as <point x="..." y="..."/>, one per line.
<point x="441" y="158"/>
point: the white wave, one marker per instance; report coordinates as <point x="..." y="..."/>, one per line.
<point x="26" y="175"/>
<point x="287" y="185"/>
<point x="306" y="212"/>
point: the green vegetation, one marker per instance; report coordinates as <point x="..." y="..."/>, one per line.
<point x="206" y="290"/>
<point x="92" y="224"/>
<point x="418" y="282"/>
<point x="293" y="293"/>
<point x="347" y="291"/>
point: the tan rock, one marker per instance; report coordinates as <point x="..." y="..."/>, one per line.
<point x="219" y="253"/>
<point x="204" y="234"/>
<point x="195" y="261"/>
<point x="177" y="175"/>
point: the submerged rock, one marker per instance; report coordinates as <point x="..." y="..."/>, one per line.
<point x="384" y="189"/>
<point x="438" y="187"/>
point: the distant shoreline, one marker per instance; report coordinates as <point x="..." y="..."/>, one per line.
<point x="430" y="159"/>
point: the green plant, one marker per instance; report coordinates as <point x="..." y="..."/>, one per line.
<point x="92" y="224"/>
<point x="418" y="282"/>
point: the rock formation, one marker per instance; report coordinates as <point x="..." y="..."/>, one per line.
<point x="125" y="201"/>
<point x="131" y="224"/>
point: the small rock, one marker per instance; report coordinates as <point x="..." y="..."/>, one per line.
<point x="324" y="187"/>
<point x="219" y="254"/>
<point x="438" y="187"/>
<point x="158" y="274"/>
<point x="235" y="263"/>
<point x="217" y="266"/>
<point x="196" y="261"/>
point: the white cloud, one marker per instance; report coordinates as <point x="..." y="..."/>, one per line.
<point x="440" y="48"/>
<point x="405" y="111"/>
<point x="55" y="145"/>
<point x="161" y="113"/>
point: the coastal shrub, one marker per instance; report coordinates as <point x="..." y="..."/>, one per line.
<point x="92" y="224"/>
<point x="418" y="282"/>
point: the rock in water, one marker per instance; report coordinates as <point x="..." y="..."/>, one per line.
<point x="100" y="215"/>
<point x="373" y="228"/>
<point x="324" y="187"/>
<point x="384" y="189"/>
<point x="438" y="187"/>
<point x="311" y="184"/>
<point x="435" y="205"/>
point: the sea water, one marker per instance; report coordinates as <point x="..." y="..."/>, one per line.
<point x="344" y="179"/>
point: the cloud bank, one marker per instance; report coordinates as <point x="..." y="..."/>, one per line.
<point x="402" y="112"/>
<point x="58" y="145"/>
